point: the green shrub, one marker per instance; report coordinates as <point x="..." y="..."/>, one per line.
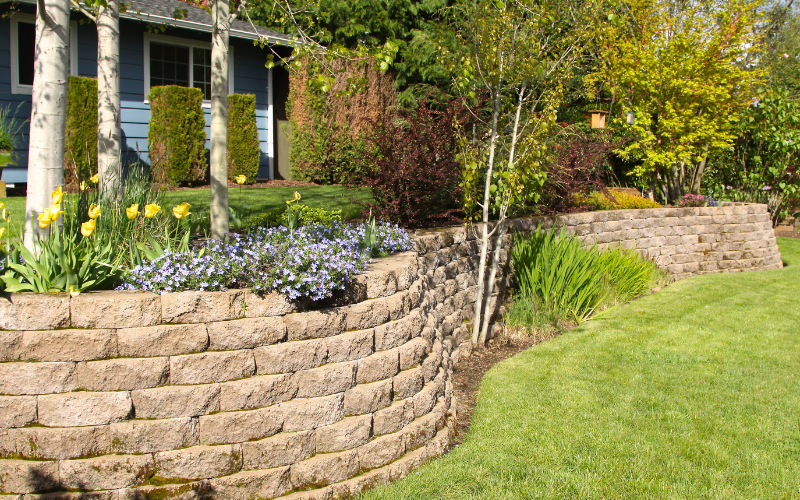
<point x="80" y="141"/>
<point x="600" y="201"/>
<point x="177" y="136"/>
<point x="279" y="217"/>
<point x="244" y="150"/>
<point x="266" y="219"/>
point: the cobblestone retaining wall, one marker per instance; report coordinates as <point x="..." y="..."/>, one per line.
<point x="232" y="395"/>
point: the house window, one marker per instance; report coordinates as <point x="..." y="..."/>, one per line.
<point x="23" y="51"/>
<point x="175" y="61"/>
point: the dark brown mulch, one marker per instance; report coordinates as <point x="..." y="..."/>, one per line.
<point x="272" y="183"/>
<point x="786" y="232"/>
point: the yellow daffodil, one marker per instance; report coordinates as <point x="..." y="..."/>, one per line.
<point x="240" y="179"/>
<point x="73" y="292"/>
<point x="58" y="195"/>
<point x="44" y="219"/>
<point x="151" y="209"/>
<point x="181" y="210"/>
<point x="87" y="228"/>
<point x="95" y="178"/>
<point x="132" y="211"/>
<point x="5" y="215"/>
<point x="296" y="196"/>
<point x="84" y="186"/>
<point x="2" y="205"/>
<point x="94" y="211"/>
<point x="55" y="211"/>
<point x="2" y="231"/>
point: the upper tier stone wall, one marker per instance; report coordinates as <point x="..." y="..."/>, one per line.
<point x="232" y="395"/>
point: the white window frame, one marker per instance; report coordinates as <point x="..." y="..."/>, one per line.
<point x="16" y="87"/>
<point x="184" y="42"/>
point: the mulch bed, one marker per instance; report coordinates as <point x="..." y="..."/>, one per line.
<point x="786" y="232"/>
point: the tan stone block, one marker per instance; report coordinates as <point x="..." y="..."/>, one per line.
<point x="196" y="490"/>
<point x="410" y="461"/>
<point x="68" y="345"/>
<point x="381" y="451"/>
<point x="437" y="446"/>
<point x="380" y="283"/>
<point x="26" y="476"/>
<point x="239" y="426"/>
<point x="425" y="400"/>
<point x="161" y="340"/>
<point x="314" y="324"/>
<point x="411" y="353"/>
<point x="10" y="345"/>
<point x="8" y="447"/>
<point x="288" y="357"/>
<point x="306" y="414"/>
<point x="115" y="309"/>
<point x="326" y="493"/>
<point x="34" y="311"/>
<point x="379" y="366"/>
<point x="176" y="401"/>
<point x="396" y="333"/>
<point x="245" y="333"/>
<point x="198" y="462"/>
<point x="149" y="436"/>
<point x="257" y="392"/>
<point x="350" y="346"/>
<point x="326" y="380"/>
<point x="253" y="484"/>
<point x="346" y="434"/>
<point x="49" y="443"/>
<point x="76" y="409"/>
<point x="366" y="315"/>
<point x="325" y="469"/>
<point x="201" y="307"/>
<point x="73" y="495"/>
<point x="17" y="411"/>
<point x="260" y="305"/>
<point x="282" y="449"/>
<point x="106" y="473"/>
<point x="123" y="374"/>
<point x="368" y="398"/>
<point x="408" y="383"/>
<point x="393" y="418"/>
<point x="419" y="432"/>
<point x="209" y="367"/>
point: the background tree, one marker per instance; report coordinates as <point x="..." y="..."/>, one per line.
<point x="681" y="67"/>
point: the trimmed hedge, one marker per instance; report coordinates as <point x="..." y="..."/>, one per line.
<point x="80" y="139"/>
<point x="244" y="150"/>
<point x="177" y="135"/>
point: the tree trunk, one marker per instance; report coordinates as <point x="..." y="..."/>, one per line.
<point x="48" y="110"/>
<point x="108" y="106"/>
<point x="698" y="175"/>
<point x="219" y="119"/>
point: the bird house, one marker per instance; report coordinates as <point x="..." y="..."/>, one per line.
<point x="598" y="118"/>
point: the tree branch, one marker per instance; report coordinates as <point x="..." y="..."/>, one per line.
<point x="81" y="8"/>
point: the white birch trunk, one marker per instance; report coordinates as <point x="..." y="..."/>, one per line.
<point x="48" y="111"/>
<point x="109" y="147"/>
<point x="219" y="118"/>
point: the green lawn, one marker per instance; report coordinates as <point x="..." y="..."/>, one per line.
<point x="256" y="200"/>
<point x="692" y="392"/>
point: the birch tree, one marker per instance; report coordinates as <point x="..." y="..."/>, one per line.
<point x="48" y="111"/>
<point x="517" y="56"/>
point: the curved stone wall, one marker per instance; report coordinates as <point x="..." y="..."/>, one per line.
<point x="231" y="395"/>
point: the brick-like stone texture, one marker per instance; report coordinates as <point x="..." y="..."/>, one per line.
<point x="107" y="472"/>
<point x="177" y="401"/>
<point x="34" y="311"/>
<point x="290" y="356"/>
<point x="198" y="462"/>
<point x="245" y="333"/>
<point x="314" y="324"/>
<point x="368" y="398"/>
<point x="123" y="374"/>
<point x="283" y="449"/>
<point x="304" y="414"/>
<point x="257" y="392"/>
<point x="84" y="408"/>
<point x="324" y="469"/>
<point x="209" y="367"/>
<point x="17" y="411"/>
<point x="26" y="476"/>
<point x="162" y="340"/>
<point x="10" y="345"/>
<point x="149" y="436"/>
<point x="37" y="378"/>
<point x="201" y="307"/>
<point x="239" y="426"/>
<point x="326" y="380"/>
<point x="115" y="309"/>
<point x="344" y="435"/>
<point x="50" y="443"/>
<point x="247" y="485"/>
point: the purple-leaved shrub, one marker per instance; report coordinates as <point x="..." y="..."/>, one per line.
<point x="312" y="261"/>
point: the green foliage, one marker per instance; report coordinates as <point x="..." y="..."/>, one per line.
<point x="244" y="150"/>
<point x="177" y="134"/>
<point x="304" y="214"/>
<point x="575" y="282"/>
<point x="9" y="129"/>
<point x="80" y="143"/>
<point x="599" y="201"/>
<point x="273" y="218"/>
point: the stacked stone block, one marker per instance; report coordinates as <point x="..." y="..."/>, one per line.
<point x="233" y="395"/>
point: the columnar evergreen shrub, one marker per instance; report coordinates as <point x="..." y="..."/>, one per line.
<point x="80" y="141"/>
<point x="244" y="151"/>
<point x="177" y="136"/>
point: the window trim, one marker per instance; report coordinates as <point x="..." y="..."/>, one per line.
<point x="185" y="42"/>
<point x="16" y="87"/>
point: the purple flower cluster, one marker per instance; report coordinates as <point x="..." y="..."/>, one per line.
<point x="695" y="200"/>
<point x="312" y="261"/>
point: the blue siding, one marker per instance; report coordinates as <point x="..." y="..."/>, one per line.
<point x="250" y="77"/>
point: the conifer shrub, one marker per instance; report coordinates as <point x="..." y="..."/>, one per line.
<point x="177" y="135"/>
<point x="244" y="150"/>
<point x="80" y="138"/>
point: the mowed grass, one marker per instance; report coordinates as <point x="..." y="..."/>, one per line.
<point x="249" y="201"/>
<point x="692" y="392"/>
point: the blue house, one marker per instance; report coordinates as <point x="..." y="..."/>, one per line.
<point x="157" y="47"/>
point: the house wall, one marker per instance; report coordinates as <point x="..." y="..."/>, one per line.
<point x="249" y="77"/>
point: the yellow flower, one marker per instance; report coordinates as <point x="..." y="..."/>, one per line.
<point x="73" y="292"/>
<point x="2" y="231"/>
<point x="151" y="209"/>
<point x="58" y="195"/>
<point x="94" y="211"/>
<point x="5" y="215"/>
<point x="87" y="228"/>
<point x="181" y="210"/>
<point x="132" y="211"/>
<point x="240" y="179"/>
<point x="84" y="186"/>
<point x="95" y="178"/>
<point x="2" y="205"/>
<point x="296" y="196"/>
<point x="44" y="219"/>
<point x="55" y="212"/>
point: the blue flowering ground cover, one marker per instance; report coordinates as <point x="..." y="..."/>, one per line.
<point x="313" y="261"/>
